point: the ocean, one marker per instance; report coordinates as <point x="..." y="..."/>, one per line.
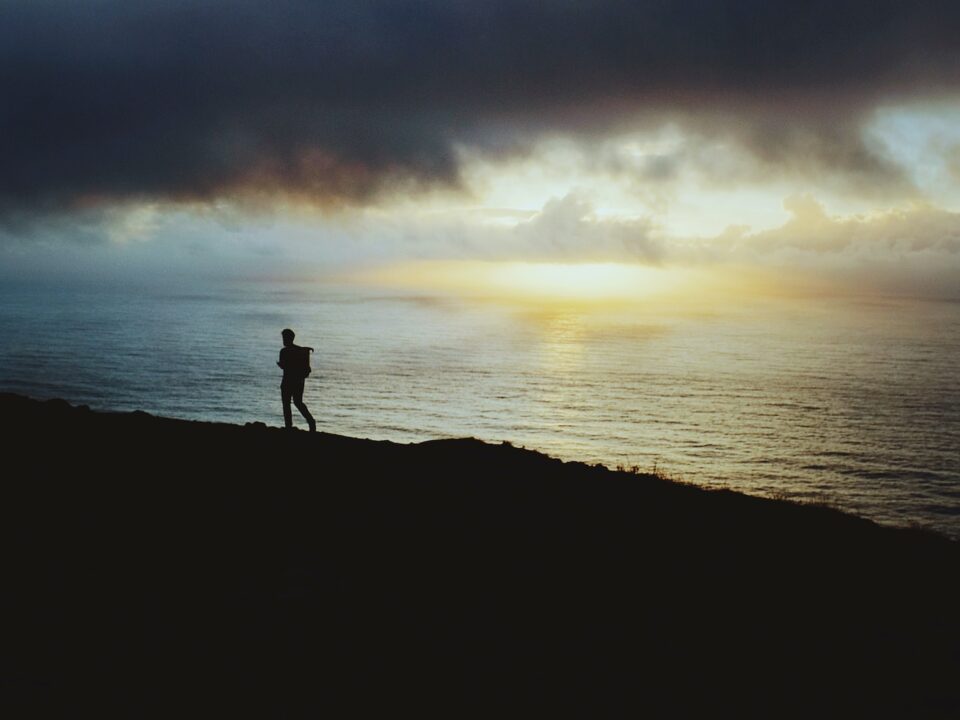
<point x="855" y="403"/>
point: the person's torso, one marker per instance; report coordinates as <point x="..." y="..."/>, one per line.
<point x="296" y="361"/>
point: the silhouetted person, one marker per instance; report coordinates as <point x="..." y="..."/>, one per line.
<point x="295" y="361"/>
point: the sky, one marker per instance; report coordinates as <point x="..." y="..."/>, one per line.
<point x="795" y="147"/>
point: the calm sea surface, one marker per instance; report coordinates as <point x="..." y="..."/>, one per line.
<point x="854" y="403"/>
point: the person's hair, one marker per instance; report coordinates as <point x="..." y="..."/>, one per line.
<point x="287" y="332"/>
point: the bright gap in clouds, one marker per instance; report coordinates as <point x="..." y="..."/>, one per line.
<point x="649" y="174"/>
<point x="539" y="282"/>
<point x="925" y="140"/>
<point x="697" y="185"/>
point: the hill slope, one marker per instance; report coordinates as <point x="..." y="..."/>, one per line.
<point x="157" y="566"/>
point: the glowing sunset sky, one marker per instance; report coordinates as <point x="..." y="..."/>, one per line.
<point x="808" y="146"/>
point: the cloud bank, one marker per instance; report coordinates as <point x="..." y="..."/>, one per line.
<point x="912" y="250"/>
<point x="345" y="101"/>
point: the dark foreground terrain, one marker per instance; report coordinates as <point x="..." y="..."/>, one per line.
<point x="155" y="567"/>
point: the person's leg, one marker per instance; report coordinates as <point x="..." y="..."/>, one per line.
<point x="285" y="396"/>
<point x="302" y="407"/>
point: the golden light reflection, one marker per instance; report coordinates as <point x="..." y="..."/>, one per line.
<point x="577" y="283"/>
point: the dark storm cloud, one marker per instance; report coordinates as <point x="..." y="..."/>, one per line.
<point x="340" y="100"/>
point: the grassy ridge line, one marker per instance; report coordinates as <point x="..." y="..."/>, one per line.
<point x="317" y="455"/>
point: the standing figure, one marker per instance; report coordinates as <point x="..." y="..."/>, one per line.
<point x="295" y="361"/>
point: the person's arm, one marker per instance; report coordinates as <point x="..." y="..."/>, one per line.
<point x="280" y="361"/>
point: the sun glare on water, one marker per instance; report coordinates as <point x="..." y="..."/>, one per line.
<point x="535" y="282"/>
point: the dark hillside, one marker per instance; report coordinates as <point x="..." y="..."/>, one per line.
<point x="156" y="566"/>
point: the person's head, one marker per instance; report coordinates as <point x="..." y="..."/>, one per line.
<point x="288" y="336"/>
